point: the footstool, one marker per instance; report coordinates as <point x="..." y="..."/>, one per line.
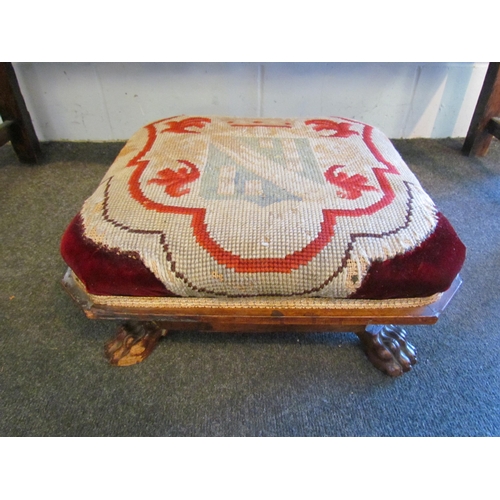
<point x="257" y="225"/>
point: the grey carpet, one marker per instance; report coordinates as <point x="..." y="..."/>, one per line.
<point x="55" y="381"/>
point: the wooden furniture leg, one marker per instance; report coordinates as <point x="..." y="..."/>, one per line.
<point x="17" y="126"/>
<point x="385" y="346"/>
<point x="387" y="349"/>
<point x="134" y="342"/>
<point x="485" y="123"/>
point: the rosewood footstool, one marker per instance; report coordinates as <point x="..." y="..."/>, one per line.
<point x="233" y="225"/>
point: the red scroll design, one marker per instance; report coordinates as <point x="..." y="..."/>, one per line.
<point x="175" y="180"/>
<point x="352" y="187"/>
<point x="341" y="129"/>
<point x="181" y="126"/>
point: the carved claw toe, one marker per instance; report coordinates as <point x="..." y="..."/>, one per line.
<point x="133" y="343"/>
<point x="387" y="349"/>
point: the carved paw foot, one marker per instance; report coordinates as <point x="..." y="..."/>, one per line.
<point x="133" y="343"/>
<point x="387" y="349"/>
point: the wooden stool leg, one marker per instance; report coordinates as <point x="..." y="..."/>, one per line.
<point x="483" y="127"/>
<point x="387" y="349"/>
<point x="17" y="126"/>
<point x="134" y="342"/>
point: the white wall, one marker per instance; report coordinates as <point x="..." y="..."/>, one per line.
<point x="110" y="101"/>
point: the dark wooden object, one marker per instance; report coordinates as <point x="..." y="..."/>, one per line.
<point x="17" y="126"/>
<point x="384" y="343"/>
<point x="485" y="123"/>
<point x="134" y="342"/>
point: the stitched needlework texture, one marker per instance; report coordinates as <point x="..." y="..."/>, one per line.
<point x="235" y="207"/>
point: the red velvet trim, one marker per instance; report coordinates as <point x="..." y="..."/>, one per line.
<point x="107" y="272"/>
<point x="428" y="269"/>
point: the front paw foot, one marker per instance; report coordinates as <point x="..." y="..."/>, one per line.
<point x="387" y="349"/>
<point x="133" y="343"/>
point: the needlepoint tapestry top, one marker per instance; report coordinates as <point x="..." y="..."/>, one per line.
<point x="214" y="206"/>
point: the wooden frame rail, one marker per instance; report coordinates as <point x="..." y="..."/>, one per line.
<point x="383" y="340"/>
<point x="485" y="123"/>
<point x="17" y="126"/>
